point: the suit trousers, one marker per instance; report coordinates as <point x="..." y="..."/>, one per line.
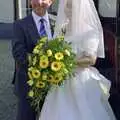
<point x="25" y="111"/>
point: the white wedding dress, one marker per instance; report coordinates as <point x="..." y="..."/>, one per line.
<point x="83" y="97"/>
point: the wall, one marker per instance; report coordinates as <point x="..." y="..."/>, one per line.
<point x="108" y="8"/>
<point x="6" y="11"/>
<point x="7" y="16"/>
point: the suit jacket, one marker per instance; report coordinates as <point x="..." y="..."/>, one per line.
<point x="26" y="36"/>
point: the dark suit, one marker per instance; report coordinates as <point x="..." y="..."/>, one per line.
<point x="26" y="36"/>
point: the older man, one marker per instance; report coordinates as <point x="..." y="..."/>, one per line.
<point x="27" y="31"/>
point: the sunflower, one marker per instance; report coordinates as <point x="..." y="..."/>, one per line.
<point x="36" y="73"/>
<point x="30" y="82"/>
<point x="44" y="63"/>
<point x="58" y="77"/>
<point x="49" y="53"/>
<point x="50" y="78"/>
<point x="31" y="93"/>
<point x="59" y="56"/>
<point x="56" y="66"/>
<point x="40" y="84"/>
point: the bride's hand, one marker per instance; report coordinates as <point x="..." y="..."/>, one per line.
<point x="86" y="61"/>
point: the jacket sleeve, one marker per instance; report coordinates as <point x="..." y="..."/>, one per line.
<point x="19" y="49"/>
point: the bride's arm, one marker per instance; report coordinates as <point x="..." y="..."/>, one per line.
<point x="86" y="61"/>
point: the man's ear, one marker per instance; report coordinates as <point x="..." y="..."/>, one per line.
<point x="51" y="2"/>
<point x="30" y="3"/>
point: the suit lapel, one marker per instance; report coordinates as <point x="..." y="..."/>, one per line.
<point x="52" y="26"/>
<point x="32" y="29"/>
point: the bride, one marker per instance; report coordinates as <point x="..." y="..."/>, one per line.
<point x="85" y="96"/>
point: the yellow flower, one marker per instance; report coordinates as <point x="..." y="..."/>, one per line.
<point x="49" y="53"/>
<point x="67" y="52"/>
<point x="36" y="47"/>
<point x="41" y="52"/>
<point x="29" y="75"/>
<point x="40" y="45"/>
<point x="44" y="39"/>
<point x="43" y="57"/>
<point x="36" y="73"/>
<point x="36" y="51"/>
<point x="50" y="78"/>
<point x="59" y="56"/>
<point x="58" y="77"/>
<point x="31" y="93"/>
<point x="40" y="84"/>
<point x="60" y="38"/>
<point x="30" y="69"/>
<point x="44" y="63"/>
<point x="30" y="82"/>
<point x="56" y="66"/>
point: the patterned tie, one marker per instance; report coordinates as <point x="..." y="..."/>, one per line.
<point x="42" y="31"/>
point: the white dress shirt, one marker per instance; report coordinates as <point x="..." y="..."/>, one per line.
<point x="46" y="23"/>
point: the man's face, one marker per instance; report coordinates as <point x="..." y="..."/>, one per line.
<point x="39" y="5"/>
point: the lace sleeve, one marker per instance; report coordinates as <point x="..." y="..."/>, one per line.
<point x="87" y="44"/>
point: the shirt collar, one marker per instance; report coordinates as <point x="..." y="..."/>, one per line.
<point x="37" y="17"/>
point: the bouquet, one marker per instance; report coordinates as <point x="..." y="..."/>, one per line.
<point x="50" y="64"/>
